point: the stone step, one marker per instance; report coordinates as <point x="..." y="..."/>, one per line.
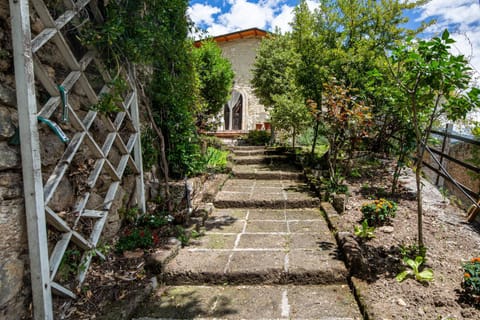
<point x="260" y="159"/>
<point x="259" y="151"/>
<point x="249" y="148"/>
<point x="259" y="246"/>
<point x="267" y="172"/>
<point x="280" y="194"/>
<point x="249" y="152"/>
<point x="251" y="302"/>
<point x="249" y="267"/>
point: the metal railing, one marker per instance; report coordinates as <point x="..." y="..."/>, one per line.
<point x="442" y="156"/>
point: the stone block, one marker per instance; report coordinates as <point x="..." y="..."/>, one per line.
<point x="11" y="279"/>
<point x="10" y="157"/>
<point x="51" y="147"/>
<point x="7" y="96"/>
<point x="12" y="228"/>
<point x="64" y="196"/>
<point x="7" y="127"/>
<point x="339" y="202"/>
<point x="10" y="186"/>
<point x="355" y="259"/>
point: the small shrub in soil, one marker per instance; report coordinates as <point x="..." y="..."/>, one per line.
<point x="378" y="212"/>
<point x="135" y="238"/>
<point x="258" y="137"/>
<point x="471" y="280"/>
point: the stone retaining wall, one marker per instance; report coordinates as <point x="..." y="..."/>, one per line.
<point x="15" y="295"/>
<point x="13" y="244"/>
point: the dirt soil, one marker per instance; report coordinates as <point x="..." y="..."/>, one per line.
<point x="117" y="279"/>
<point x="449" y="239"/>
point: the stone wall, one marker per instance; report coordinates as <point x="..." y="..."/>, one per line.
<point x="15" y="293"/>
<point x="242" y="53"/>
<point x="13" y="244"/>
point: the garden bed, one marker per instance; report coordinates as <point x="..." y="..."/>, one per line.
<point x="449" y="239"/>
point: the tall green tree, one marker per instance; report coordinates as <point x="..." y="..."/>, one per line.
<point x="290" y="113"/>
<point x="436" y="83"/>
<point x="274" y="74"/>
<point x="274" y="68"/>
<point x="154" y="33"/>
<point x="346" y="39"/>
<point x="215" y="81"/>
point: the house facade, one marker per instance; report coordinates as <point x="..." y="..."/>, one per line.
<point x="243" y="112"/>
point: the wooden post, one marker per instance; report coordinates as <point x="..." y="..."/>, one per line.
<point x="31" y="160"/>
<point x="137" y="154"/>
<point x="445" y="149"/>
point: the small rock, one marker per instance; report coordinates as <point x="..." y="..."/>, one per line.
<point x="401" y="302"/>
<point x="133" y="254"/>
<point x="386" y="229"/>
<point x="339" y="202"/>
<point x="356" y="261"/>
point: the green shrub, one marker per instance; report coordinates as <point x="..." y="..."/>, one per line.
<point x="379" y="211"/>
<point x="364" y="231"/>
<point x="216" y="160"/>
<point x="258" y="137"/>
<point x="415" y="269"/>
<point x="471" y="279"/>
<point x="134" y="238"/>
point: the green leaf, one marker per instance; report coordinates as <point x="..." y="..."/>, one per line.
<point x="425" y="275"/>
<point x="402" y="275"/>
<point x="445" y="35"/>
<point x="418" y="260"/>
<point x="412" y="264"/>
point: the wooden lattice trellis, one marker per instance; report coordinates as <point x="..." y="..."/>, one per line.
<point x="125" y="144"/>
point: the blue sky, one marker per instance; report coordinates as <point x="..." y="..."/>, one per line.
<point x="461" y="17"/>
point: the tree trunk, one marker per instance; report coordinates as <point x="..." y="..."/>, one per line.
<point x="293" y="138"/>
<point x="315" y="137"/>
<point x="418" y="178"/>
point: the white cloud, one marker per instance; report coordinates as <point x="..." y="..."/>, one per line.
<point x="312" y="5"/>
<point x="244" y="14"/>
<point x="202" y="14"/>
<point x="462" y="18"/>
<point x="283" y="19"/>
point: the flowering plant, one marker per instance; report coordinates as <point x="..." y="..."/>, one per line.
<point x="471" y="278"/>
<point x="135" y="238"/>
<point x="378" y="211"/>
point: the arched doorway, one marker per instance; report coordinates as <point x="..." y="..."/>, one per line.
<point x="233" y="112"/>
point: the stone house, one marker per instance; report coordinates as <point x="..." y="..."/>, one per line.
<point x="243" y="112"/>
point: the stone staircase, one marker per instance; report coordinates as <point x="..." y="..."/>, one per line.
<point x="267" y="253"/>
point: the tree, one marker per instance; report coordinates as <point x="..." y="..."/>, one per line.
<point x="274" y="72"/>
<point x="436" y="83"/>
<point x="274" y="68"/>
<point x="290" y="113"/>
<point x="215" y="81"/>
<point x="345" y="121"/>
<point x="346" y="39"/>
<point x="154" y="34"/>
